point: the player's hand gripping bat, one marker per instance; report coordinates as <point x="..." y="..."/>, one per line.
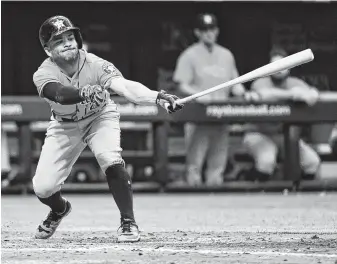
<point x="163" y="99"/>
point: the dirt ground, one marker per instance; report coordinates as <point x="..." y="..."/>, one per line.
<point x="178" y="228"/>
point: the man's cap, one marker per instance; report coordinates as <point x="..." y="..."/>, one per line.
<point x="206" y="21"/>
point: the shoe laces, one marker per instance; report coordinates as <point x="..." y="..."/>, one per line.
<point x="52" y="217"/>
<point x="126" y="225"/>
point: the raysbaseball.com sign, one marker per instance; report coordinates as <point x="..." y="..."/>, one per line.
<point x="220" y="111"/>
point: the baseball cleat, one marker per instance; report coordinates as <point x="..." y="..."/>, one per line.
<point x="48" y="227"/>
<point x="128" y="231"/>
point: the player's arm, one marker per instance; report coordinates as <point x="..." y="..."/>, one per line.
<point x="49" y="86"/>
<point x="61" y="94"/>
<point x="260" y="90"/>
<point x="135" y="92"/>
<point x="67" y="95"/>
<point x="273" y="94"/>
<point x="303" y="92"/>
<point x="139" y="94"/>
<point x="236" y="90"/>
<point x="112" y="80"/>
<point x="267" y="92"/>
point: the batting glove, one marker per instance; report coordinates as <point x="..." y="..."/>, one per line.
<point x="168" y="102"/>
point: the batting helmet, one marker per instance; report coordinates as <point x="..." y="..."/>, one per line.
<point x="206" y="21"/>
<point x="55" y="26"/>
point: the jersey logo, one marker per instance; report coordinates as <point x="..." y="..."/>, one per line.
<point x="110" y="69"/>
<point x="59" y="24"/>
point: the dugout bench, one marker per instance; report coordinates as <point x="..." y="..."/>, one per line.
<point x="26" y="109"/>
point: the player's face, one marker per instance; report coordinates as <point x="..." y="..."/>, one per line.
<point x="208" y="36"/>
<point x="281" y="74"/>
<point x="64" y="47"/>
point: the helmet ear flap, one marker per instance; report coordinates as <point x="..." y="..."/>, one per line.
<point x="79" y="39"/>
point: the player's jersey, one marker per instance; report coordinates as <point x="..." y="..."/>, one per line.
<point x="203" y="69"/>
<point x="92" y="70"/>
<point x="266" y="82"/>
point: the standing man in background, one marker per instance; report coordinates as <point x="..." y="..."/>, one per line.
<point x="264" y="140"/>
<point x="201" y="66"/>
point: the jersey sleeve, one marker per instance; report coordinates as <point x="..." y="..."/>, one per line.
<point x="43" y="76"/>
<point x="184" y="69"/>
<point x="106" y="71"/>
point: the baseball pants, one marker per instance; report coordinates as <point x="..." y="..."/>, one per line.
<point x="5" y="157"/>
<point x="65" y="141"/>
<point x="210" y="143"/>
<point x="264" y="150"/>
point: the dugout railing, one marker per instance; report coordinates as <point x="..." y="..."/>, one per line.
<point x="27" y="109"/>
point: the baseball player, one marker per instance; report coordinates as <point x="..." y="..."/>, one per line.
<point x="77" y="85"/>
<point x="201" y="66"/>
<point x="263" y="142"/>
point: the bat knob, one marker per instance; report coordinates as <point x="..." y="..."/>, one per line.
<point x="166" y="106"/>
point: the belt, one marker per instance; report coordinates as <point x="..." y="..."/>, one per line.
<point x="69" y="120"/>
<point x="62" y="119"/>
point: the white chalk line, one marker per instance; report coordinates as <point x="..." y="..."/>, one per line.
<point x="169" y="250"/>
<point x="165" y="231"/>
<point x="239" y="231"/>
<point x="25" y="261"/>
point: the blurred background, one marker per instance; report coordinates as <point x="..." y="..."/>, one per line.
<point x="144" y="40"/>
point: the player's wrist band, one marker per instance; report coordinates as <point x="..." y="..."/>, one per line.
<point x="159" y="97"/>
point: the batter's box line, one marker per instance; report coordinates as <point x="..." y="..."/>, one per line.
<point x="172" y="250"/>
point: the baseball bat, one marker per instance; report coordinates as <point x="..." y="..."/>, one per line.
<point x="266" y="70"/>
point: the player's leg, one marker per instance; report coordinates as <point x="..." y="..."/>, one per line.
<point x="5" y="157"/>
<point x="104" y="140"/>
<point x="196" y="152"/>
<point x="333" y="140"/>
<point x="264" y="152"/>
<point x="309" y="160"/>
<point x="217" y="155"/>
<point x="61" y="149"/>
<point x="188" y="132"/>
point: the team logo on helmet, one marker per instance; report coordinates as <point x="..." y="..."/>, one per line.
<point x="59" y="24"/>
